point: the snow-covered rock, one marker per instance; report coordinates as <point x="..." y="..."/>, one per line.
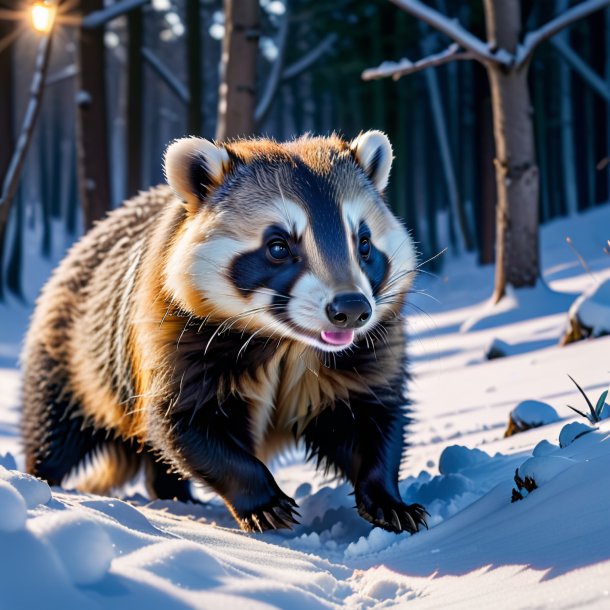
<point x="589" y="315"/>
<point x="530" y="414"/>
<point x="543" y="469"/>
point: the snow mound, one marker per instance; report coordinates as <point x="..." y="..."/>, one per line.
<point x="573" y="431"/>
<point x="376" y="541"/>
<point x="543" y="448"/>
<point x="456" y="458"/>
<point x="180" y="562"/>
<point x="13" y="511"/>
<point x="543" y="469"/>
<point x="82" y="545"/>
<point x="33" y="490"/>
<point x="8" y="461"/>
<point x="379" y="585"/>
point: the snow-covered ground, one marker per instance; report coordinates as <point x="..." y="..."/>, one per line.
<point x="61" y="549"/>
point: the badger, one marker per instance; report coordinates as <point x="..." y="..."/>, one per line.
<point x="253" y="302"/>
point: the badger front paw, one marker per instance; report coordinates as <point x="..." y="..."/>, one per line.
<point x="384" y="510"/>
<point x="278" y="513"/>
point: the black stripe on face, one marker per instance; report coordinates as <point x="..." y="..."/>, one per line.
<point x="376" y="265"/>
<point x="317" y="196"/>
<point x="254" y="270"/>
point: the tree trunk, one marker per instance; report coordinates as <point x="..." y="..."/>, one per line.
<point x="541" y="131"/>
<point x="135" y="107"/>
<point x="237" y="93"/>
<point x="567" y="135"/>
<point x="517" y="262"/>
<point x="194" y="64"/>
<point x="14" y="265"/>
<point x="91" y="121"/>
<point x="6" y="117"/>
<point x="6" y="99"/>
<point x="13" y="173"/>
<point x="460" y="235"/>
<point x="487" y="183"/>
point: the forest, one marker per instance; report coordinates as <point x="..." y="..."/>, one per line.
<point x="303" y="62"/>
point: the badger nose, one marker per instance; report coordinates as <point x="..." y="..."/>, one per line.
<point x="349" y="310"/>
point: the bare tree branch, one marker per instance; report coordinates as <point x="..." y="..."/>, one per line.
<point x="66" y="73"/>
<point x="581" y="68"/>
<point x="101" y="17"/>
<point x="299" y="66"/>
<point x="404" y="66"/>
<point x="454" y="30"/>
<point x="534" y="39"/>
<point x="174" y="85"/>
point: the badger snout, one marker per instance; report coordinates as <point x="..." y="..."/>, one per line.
<point x="349" y="310"/>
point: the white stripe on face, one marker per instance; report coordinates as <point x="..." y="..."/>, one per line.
<point x="210" y="276"/>
<point x="290" y="215"/>
<point x="307" y="305"/>
<point x="388" y="235"/>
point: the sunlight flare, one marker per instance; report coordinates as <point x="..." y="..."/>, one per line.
<point x="42" y="16"/>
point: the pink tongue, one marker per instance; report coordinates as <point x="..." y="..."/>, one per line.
<point x="339" y="337"/>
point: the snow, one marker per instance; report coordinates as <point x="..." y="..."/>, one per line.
<point x="64" y="549"/>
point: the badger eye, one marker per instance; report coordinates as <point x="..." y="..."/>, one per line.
<point x="278" y="250"/>
<point x="364" y="247"/>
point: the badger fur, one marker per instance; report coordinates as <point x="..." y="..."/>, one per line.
<point x="201" y="327"/>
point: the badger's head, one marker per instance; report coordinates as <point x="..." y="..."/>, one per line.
<point x="290" y="241"/>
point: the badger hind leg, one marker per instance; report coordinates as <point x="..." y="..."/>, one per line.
<point x="111" y="465"/>
<point x="163" y="483"/>
<point x="55" y="435"/>
<point x="58" y="439"/>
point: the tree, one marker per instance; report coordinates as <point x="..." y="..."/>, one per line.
<point x="91" y="121"/>
<point x="237" y="94"/>
<point x="506" y="61"/>
<point x="10" y="182"/>
<point x="6" y="117"/>
<point x="194" y="66"/>
<point x="135" y="100"/>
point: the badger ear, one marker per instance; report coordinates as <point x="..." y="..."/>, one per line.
<point x="373" y="152"/>
<point x="193" y="166"/>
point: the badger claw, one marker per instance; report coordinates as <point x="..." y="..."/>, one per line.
<point x="394" y="515"/>
<point x="275" y="515"/>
